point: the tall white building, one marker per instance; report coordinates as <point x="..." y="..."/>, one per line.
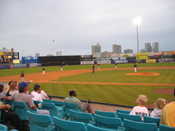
<point x="96" y="50"/>
<point x="155" y="46"/>
<point x="58" y="53"/>
<point x="148" y="47"/>
<point x="116" y="49"/>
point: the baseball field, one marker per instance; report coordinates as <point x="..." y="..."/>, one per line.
<point x="108" y="84"/>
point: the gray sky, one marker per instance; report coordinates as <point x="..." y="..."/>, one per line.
<point x="30" y="26"/>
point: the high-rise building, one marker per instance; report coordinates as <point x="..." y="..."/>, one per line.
<point x="116" y="49"/>
<point x="96" y="50"/>
<point x="37" y="54"/>
<point x="148" y="47"/>
<point x="58" y="53"/>
<point x="155" y="46"/>
<point x="128" y="51"/>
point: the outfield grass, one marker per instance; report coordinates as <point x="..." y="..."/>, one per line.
<point x="8" y="72"/>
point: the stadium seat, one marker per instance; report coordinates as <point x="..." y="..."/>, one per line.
<point x="53" y="109"/>
<point x="139" y="126"/>
<point x="107" y="122"/>
<point x="70" y="106"/>
<point x="3" y="127"/>
<point x="129" y="117"/>
<point x="66" y="125"/>
<point x="39" y="122"/>
<point x="57" y="103"/>
<point x="166" y="128"/>
<point x="91" y="127"/>
<point x="21" y="109"/>
<point x="148" y="119"/>
<point x="80" y="116"/>
<point x="122" y="111"/>
<point x="108" y="114"/>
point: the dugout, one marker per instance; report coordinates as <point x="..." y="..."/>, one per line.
<point x="59" y="60"/>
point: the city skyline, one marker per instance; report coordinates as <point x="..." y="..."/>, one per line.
<point x="73" y="26"/>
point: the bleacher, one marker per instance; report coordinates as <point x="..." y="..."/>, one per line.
<point x="68" y="117"/>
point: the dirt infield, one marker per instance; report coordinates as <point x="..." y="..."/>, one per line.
<point x="50" y="77"/>
<point x="144" y="74"/>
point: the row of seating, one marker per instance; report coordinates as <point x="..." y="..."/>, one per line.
<point x="41" y="122"/>
<point x="109" y="120"/>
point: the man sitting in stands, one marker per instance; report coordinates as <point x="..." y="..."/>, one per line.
<point x="73" y="99"/>
<point x="23" y="95"/>
<point x="38" y="94"/>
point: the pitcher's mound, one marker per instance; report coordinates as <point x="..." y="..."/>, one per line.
<point x="143" y="74"/>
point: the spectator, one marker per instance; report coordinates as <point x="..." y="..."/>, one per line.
<point x="73" y="99"/>
<point x="38" y="94"/>
<point x="9" y="117"/>
<point x="13" y="90"/>
<point x="140" y="109"/>
<point x="24" y="96"/>
<point x="168" y="114"/>
<point x="2" y="93"/>
<point x="159" y="104"/>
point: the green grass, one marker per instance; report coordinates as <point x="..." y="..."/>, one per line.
<point x="124" y="95"/>
<point x="166" y="76"/>
<point x="8" y="72"/>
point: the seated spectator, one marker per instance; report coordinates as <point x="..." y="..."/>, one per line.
<point x="38" y="94"/>
<point x="159" y="104"/>
<point x="13" y="90"/>
<point x="23" y="95"/>
<point x="9" y="117"/>
<point x="2" y="92"/>
<point x="140" y="109"/>
<point x="168" y="114"/>
<point x="73" y="99"/>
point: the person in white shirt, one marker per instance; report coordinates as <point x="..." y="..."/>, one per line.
<point x="38" y="94"/>
<point x="159" y="104"/>
<point x="140" y="109"/>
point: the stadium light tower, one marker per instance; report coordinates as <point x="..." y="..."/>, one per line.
<point x="137" y="21"/>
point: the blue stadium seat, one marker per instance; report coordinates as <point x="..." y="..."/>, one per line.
<point x="107" y="122"/>
<point x="166" y="128"/>
<point x="108" y="114"/>
<point x="57" y="103"/>
<point x="70" y="106"/>
<point x="66" y="125"/>
<point x="21" y="109"/>
<point x="139" y="126"/>
<point x="3" y="127"/>
<point x="129" y="117"/>
<point x="40" y="122"/>
<point x="122" y="111"/>
<point x="91" y="127"/>
<point x="53" y="109"/>
<point x="148" y="119"/>
<point x="80" y="116"/>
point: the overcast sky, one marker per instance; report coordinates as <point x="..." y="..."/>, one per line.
<point x="30" y="26"/>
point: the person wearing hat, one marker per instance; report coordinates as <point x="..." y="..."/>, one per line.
<point x="23" y="95"/>
<point x="38" y="94"/>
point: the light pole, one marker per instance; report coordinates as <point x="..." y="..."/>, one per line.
<point x="137" y="21"/>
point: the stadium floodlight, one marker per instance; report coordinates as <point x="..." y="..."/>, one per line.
<point x="137" y="21"/>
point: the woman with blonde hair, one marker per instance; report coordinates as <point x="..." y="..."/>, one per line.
<point x="140" y="109"/>
<point x="159" y="104"/>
